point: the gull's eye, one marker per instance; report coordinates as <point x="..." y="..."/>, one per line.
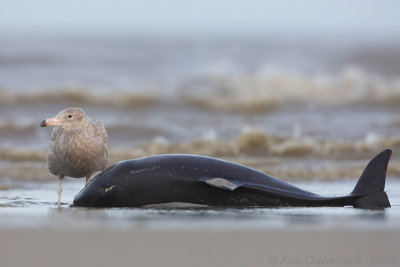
<point x="69" y="116"/>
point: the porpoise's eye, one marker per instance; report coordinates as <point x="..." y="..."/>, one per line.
<point x="69" y="116"/>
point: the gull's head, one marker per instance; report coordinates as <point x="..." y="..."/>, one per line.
<point x="68" y="119"/>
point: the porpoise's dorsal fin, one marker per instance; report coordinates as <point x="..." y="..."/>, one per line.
<point x="220" y="183"/>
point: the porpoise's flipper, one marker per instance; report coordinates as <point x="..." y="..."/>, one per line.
<point x="221" y="183"/>
<point x="370" y="187"/>
<point x="231" y="185"/>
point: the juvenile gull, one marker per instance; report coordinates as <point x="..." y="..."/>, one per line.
<point x="78" y="146"/>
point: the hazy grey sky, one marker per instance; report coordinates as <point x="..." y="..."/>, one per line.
<point x="215" y="16"/>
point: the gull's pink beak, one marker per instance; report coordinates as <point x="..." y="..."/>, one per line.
<point x="49" y="122"/>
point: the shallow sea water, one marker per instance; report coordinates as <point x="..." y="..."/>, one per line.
<point x="35" y="208"/>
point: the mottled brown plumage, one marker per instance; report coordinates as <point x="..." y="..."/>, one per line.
<point x="78" y="146"/>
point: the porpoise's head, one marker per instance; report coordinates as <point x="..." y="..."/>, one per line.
<point x="68" y="119"/>
<point x="104" y="190"/>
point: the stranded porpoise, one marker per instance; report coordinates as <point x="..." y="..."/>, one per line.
<point x="197" y="180"/>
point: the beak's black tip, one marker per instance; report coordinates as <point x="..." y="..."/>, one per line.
<point x="43" y="124"/>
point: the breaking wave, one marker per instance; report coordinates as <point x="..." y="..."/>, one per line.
<point x="250" y="142"/>
<point x="78" y="96"/>
<point x="270" y="88"/>
<point x="253" y="142"/>
<point x="247" y="92"/>
<point x="252" y="147"/>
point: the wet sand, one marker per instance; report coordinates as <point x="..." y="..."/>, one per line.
<point x="49" y="247"/>
<point x="50" y="236"/>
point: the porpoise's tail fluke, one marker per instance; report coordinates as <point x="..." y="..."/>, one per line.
<point x="370" y="187"/>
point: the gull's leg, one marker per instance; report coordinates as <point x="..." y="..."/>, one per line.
<point x="60" y="189"/>
<point x="87" y="180"/>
